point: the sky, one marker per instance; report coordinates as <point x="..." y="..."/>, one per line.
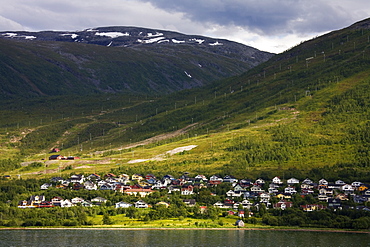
<point x="268" y="25"/>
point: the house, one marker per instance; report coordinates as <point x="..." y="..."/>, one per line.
<point x="264" y="197"/>
<point x="307" y="181"/>
<point x="55" y="150"/>
<point x="86" y="204"/>
<point x="215" y="178"/>
<point x="323" y="197"/>
<point x="306" y="192"/>
<point x="257" y="189"/>
<point x="229" y="203"/>
<point x="238" y="187"/>
<point x="66" y="204"/>
<point x="110" y="175"/>
<point x="139" y="192"/>
<point x="73" y="158"/>
<point x="260" y="181"/>
<point x="220" y="205"/>
<point x="312" y="207"/>
<point x="25" y="204"/>
<point x="77" y="200"/>
<point x="90" y="185"/>
<point x="230" y="179"/>
<point x="282" y="196"/>
<point x="56" y="179"/>
<point x="106" y="186"/>
<point x="56" y="157"/>
<point x="124" y="177"/>
<point x="137" y="177"/>
<point x="149" y="176"/>
<point x="362" y="187"/>
<point x="45" y="204"/>
<point x="239" y="223"/>
<point x="202" y="177"/>
<point x="307" y="186"/>
<point x="45" y="186"/>
<point x="360" y="199"/>
<point x="57" y="201"/>
<point x="246" y="204"/>
<point x="232" y="193"/>
<point x="123" y="205"/>
<point x="342" y="197"/>
<point x="93" y="177"/>
<point x="189" y="202"/>
<point x="277" y="180"/>
<point x="339" y="182"/>
<point x="292" y="181"/>
<point x="334" y="203"/>
<point x="36" y="200"/>
<point x="290" y="190"/>
<point x="283" y="204"/>
<point x="241" y="214"/>
<point x="173" y="189"/>
<point x="245" y="183"/>
<point x="323" y="182"/>
<point x="141" y="204"/>
<point x="78" y="186"/>
<point x="98" y="200"/>
<point x="75" y="178"/>
<point x="347" y="188"/>
<point x="186" y="190"/>
<point x="326" y="191"/>
<point x="356" y="184"/>
<point x="273" y="190"/>
<point x="165" y="204"/>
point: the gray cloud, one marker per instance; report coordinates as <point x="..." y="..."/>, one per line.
<point x="268" y="17"/>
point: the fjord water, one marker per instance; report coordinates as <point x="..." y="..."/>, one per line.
<point x="117" y="237"/>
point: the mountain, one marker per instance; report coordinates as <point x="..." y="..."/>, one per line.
<point x="116" y="59"/>
<point x="303" y="113"/>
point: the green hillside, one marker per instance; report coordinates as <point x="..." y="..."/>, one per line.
<point x="304" y="112"/>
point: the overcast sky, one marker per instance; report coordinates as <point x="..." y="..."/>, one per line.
<point x="269" y="25"/>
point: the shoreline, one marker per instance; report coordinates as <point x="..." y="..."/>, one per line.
<point x="183" y="229"/>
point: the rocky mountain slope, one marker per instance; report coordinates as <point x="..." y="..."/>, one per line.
<point x="116" y="59"/>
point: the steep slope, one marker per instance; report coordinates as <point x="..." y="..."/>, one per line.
<point x="116" y="59"/>
<point x="304" y="112"/>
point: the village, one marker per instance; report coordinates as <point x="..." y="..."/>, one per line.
<point x="242" y="194"/>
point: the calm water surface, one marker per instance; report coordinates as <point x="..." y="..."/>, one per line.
<point x="99" y="237"/>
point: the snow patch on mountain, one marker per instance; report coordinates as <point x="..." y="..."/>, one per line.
<point x="154" y="35"/>
<point x="200" y="41"/>
<point x="10" y="35"/>
<point x="15" y="35"/>
<point x="112" y="35"/>
<point x="73" y="35"/>
<point x="188" y="75"/>
<point x="216" y="43"/>
<point x="150" y="41"/>
<point x="178" y="41"/>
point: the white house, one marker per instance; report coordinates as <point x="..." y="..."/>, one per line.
<point x="347" y="188"/>
<point x="277" y="180"/>
<point x="290" y="190"/>
<point x="323" y="182"/>
<point x="141" y="204"/>
<point x="123" y="205"/>
<point x="292" y="181"/>
<point x="77" y="200"/>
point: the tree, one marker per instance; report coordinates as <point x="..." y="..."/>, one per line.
<point x="107" y="220"/>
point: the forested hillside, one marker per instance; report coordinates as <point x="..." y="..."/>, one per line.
<point x="304" y="111"/>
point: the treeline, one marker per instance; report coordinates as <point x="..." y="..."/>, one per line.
<point x="342" y="219"/>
